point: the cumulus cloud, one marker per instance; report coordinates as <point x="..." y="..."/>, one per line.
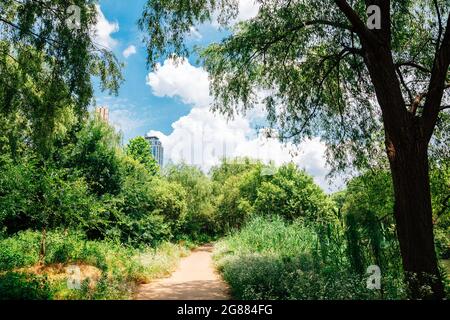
<point x="247" y="9"/>
<point x="122" y="114"/>
<point x="195" y="34"/>
<point x="203" y="138"/>
<point x="129" y="51"/>
<point x="104" y="29"/>
<point x="181" y="79"/>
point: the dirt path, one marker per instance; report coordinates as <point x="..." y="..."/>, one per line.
<point x="195" y="279"/>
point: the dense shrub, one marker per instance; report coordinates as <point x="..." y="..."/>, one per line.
<point x="273" y="259"/>
<point x="94" y="154"/>
<point x="19" y="251"/>
<point x="292" y="194"/>
<point x="139" y="149"/>
<point x="33" y="196"/>
<point x="245" y="188"/>
<point x="200" y="221"/>
<point x="120" y="267"/>
<point x="20" y="286"/>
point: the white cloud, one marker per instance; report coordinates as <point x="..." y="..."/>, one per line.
<point x="181" y="79"/>
<point x="122" y="114"/>
<point x="203" y="138"/>
<point x="129" y="51"/>
<point x="248" y="9"/>
<point x="195" y="34"/>
<point x="104" y="29"/>
<point x="125" y="120"/>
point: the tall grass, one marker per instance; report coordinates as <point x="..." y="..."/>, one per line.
<point x="112" y="270"/>
<point x="273" y="259"/>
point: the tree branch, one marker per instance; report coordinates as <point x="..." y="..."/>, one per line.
<point x="358" y="25"/>
<point x="441" y="28"/>
<point x="413" y="65"/>
<point x="416" y="103"/>
<point x="437" y="84"/>
<point x="263" y="47"/>
<point x="11" y="24"/>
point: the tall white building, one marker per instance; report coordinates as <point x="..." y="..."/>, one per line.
<point x="156" y="149"/>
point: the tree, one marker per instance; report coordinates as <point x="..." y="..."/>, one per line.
<point x="47" y="64"/>
<point x="330" y="74"/>
<point x="293" y="194"/>
<point x="96" y="156"/>
<point x="200" y="217"/>
<point x="139" y="149"/>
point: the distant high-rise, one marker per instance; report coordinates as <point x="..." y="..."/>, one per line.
<point x="103" y="113"/>
<point x="156" y="149"/>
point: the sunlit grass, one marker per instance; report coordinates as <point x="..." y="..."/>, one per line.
<point x="108" y="270"/>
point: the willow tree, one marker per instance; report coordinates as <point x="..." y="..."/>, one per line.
<point x="339" y="69"/>
<point x="48" y="59"/>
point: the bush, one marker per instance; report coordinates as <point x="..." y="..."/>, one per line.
<point x="19" y="251"/>
<point x="120" y="267"/>
<point x="442" y="238"/>
<point x="20" y="286"/>
<point x="250" y="188"/>
<point x="95" y="155"/>
<point x="273" y="259"/>
<point x="292" y="194"/>
<point x="148" y="209"/>
<point x="200" y="222"/>
<point x="34" y="197"/>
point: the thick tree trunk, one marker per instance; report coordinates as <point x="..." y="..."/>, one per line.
<point x="413" y="214"/>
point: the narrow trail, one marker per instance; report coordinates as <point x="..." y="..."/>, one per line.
<point x="195" y="279"/>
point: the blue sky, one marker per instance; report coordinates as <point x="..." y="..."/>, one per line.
<point x="172" y="101"/>
<point x="143" y="110"/>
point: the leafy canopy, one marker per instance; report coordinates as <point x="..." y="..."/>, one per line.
<point x="47" y="67"/>
<point x="139" y="149"/>
<point x="304" y="59"/>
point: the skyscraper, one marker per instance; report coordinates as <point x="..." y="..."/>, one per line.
<point x="156" y="149"/>
<point x="103" y="113"/>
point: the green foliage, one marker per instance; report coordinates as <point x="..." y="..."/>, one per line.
<point x="200" y="221"/>
<point x="19" y="286"/>
<point x="272" y="259"/>
<point x="292" y="194"/>
<point x="368" y="210"/>
<point x="233" y="209"/>
<point x="440" y="190"/>
<point x="120" y="267"/>
<point x="148" y="211"/>
<point x="95" y="155"/>
<point x="139" y="149"/>
<point x="248" y="188"/>
<point x="46" y="68"/>
<point x="20" y="251"/>
<point x="38" y="197"/>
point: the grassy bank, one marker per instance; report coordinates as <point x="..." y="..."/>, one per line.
<point x="104" y="270"/>
<point x="273" y="259"/>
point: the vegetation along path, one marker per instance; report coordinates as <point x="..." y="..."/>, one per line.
<point x="195" y="279"/>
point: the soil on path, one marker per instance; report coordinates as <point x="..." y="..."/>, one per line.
<point x="195" y="279"/>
